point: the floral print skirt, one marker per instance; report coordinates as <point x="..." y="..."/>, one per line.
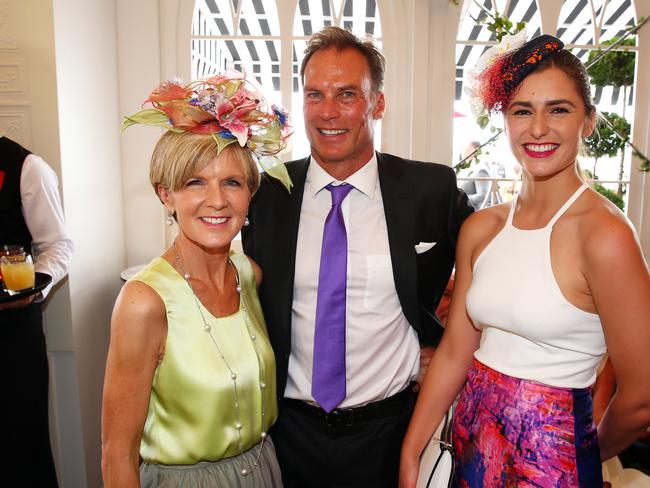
<point x="509" y="432"/>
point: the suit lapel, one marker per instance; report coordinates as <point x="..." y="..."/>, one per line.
<point x="298" y="174"/>
<point x="287" y="237"/>
<point x="400" y="222"/>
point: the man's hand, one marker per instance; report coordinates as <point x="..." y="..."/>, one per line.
<point x="426" y="354"/>
<point x="23" y="302"/>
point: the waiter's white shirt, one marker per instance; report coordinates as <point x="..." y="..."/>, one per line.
<point x="382" y="349"/>
<point x="41" y="205"/>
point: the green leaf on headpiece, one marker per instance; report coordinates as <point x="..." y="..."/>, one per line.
<point x="149" y="116"/>
<point x="267" y="141"/>
<point x="275" y="168"/>
<point x="222" y="142"/>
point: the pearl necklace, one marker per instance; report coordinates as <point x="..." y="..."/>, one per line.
<point x="233" y="375"/>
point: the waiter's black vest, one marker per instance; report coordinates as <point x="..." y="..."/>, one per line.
<point x="13" y="229"/>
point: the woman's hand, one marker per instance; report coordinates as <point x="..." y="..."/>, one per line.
<point x="409" y="467"/>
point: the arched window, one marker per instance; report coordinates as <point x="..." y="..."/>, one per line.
<point x="266" y="38"/>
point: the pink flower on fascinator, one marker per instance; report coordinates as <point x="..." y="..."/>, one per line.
<point x="233" y="114"/>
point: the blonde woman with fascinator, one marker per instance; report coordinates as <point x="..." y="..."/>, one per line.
<point x="190" y="375"/>
<point x="523" y="351"/>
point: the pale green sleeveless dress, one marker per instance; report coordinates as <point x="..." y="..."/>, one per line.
<point x="190" y="435"/>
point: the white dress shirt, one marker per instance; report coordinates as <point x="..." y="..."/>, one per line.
<point x="41" y="205"/>
<point x="382" y="349"/>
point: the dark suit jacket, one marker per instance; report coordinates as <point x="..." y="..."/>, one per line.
<point x="422" y="204"/>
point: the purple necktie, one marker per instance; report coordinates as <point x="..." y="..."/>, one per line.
<point x="328" y="375"/>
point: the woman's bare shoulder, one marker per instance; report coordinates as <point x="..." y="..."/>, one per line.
<point x="479" y="229"/>
<point x="604" y="230"/>
<point x="140" y="297"/>
<point x="487" y="220"/>
<point x="139" y="310"/>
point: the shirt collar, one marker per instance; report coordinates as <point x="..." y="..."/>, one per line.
<point x="365" y="179"/>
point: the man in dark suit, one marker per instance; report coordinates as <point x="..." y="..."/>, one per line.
<point x="401" y="221"/>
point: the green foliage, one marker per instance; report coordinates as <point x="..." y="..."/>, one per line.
<point x="604" y="142"/>
<point x="616" y="68"/>
<point x="499" y="24"/>
<point x="611" y="195"/>
<point x="467" y="162"/>
<point x="475" y="156"/>
<point x="645" y="162"/>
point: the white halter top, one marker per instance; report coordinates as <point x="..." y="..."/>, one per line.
<point x="529" y="329"/>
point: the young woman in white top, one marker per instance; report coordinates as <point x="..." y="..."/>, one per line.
<point x="545" y="285"/>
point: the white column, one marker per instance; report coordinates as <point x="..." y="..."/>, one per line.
<point x="397" y="31"/>
<point x="139" y="54"/>
<point x="87" y="89"/>
<point x="441" y="83"/>
<point x="639" y="191"/>
<point x="549" y="11"/>
<point x="419" y="43"/>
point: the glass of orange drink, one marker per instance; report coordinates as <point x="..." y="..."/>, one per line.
<point x="17" y="268"/>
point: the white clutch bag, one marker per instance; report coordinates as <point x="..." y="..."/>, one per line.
<point x="437" y="460"/>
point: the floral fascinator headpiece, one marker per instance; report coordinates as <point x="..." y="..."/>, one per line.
<point x="227" y="107"/>
<point x="502" y="68"/>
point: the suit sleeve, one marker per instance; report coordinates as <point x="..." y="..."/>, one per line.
<point x="459" y="210"/>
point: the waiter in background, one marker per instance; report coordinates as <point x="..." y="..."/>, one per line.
<point x="30" y="216"/>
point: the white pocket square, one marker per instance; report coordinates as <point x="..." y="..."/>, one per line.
<point x="423" y="247"/>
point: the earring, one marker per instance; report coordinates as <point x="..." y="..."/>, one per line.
<point x="170" y="217"/>
<point x="247" y="222"/>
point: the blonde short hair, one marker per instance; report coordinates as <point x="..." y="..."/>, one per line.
<point x="178" y="156"/>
